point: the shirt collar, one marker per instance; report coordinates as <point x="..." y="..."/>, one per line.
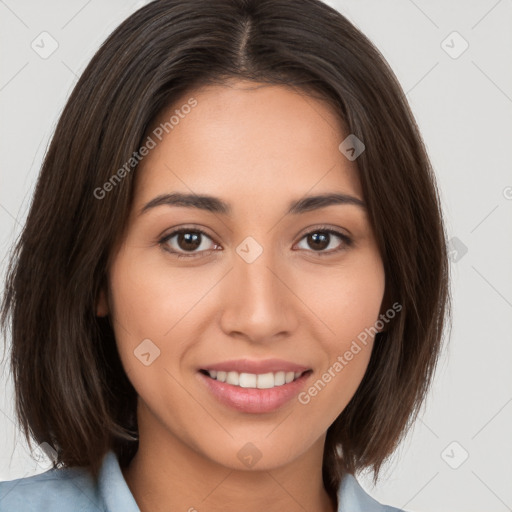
<point x="113" y="489"/>
<point x="352" y="497"/>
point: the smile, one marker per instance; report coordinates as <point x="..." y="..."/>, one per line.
<point x="254" y="386"/>
<point x="253" y="380"/>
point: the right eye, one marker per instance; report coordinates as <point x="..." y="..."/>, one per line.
<point x="186" y="242"/>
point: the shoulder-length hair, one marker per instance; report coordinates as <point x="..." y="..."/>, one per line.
<point x="70" y="387"/>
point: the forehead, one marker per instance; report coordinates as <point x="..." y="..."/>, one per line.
<point x="246" y="140"/>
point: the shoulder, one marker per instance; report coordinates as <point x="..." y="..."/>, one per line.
<point x="55" y="489"/>
<point x="71" y="490"/>
<point x="352" y="497"/>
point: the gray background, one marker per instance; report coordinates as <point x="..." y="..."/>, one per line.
<point x="458" y="458"/>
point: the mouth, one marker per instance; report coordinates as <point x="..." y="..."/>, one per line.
<point x="253" y="380"/>
<point x="254" y="386"/>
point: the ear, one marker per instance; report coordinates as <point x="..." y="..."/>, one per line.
<point x="102" y="308"/>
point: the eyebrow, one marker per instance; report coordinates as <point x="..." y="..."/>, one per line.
<point x="216" y="205"/>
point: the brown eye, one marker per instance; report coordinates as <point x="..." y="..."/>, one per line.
<point x="191" y="241"/>
<point x="188" y="241"/>
<point x="322" y="239"/>
<point x="318" y="241"/>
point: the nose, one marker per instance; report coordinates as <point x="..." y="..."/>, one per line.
<point x="257" y="303"/>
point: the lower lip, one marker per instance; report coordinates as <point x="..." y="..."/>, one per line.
<point x="254" y="400"/>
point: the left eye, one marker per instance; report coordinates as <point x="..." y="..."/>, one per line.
<point x="321" y="239"/>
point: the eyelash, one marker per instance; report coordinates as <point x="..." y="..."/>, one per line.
<point x="347" y="241"/>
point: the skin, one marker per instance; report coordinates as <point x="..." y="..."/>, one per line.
<point x="257" y="147"/>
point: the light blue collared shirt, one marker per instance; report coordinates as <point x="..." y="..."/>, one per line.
<point x="73" y="489"/>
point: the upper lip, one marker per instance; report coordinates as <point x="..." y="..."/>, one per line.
<point x="256" y="366"/>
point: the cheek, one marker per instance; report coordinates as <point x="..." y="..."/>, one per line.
<point x="147" y="298"/>
<point x="151" y="305"/>
<point x="347" y="298"/>
<point x="140" y="313"/>
<point x="349" y="303"/>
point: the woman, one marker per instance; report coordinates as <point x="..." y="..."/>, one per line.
<point x="231" y="287"/>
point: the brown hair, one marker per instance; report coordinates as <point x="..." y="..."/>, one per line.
<point x="71" y="389"/>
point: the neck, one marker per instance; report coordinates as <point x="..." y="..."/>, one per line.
<point x="165" y="474"/>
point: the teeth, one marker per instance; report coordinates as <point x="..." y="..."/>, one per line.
<point x="248" y="380"/>
<point x="265" y="381"/>
<point x="233" y="378"/>
<point x="252" y="380"/>
<point x="279" y="378"/>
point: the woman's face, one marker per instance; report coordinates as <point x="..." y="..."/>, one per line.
<point x="268" y="293"/>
